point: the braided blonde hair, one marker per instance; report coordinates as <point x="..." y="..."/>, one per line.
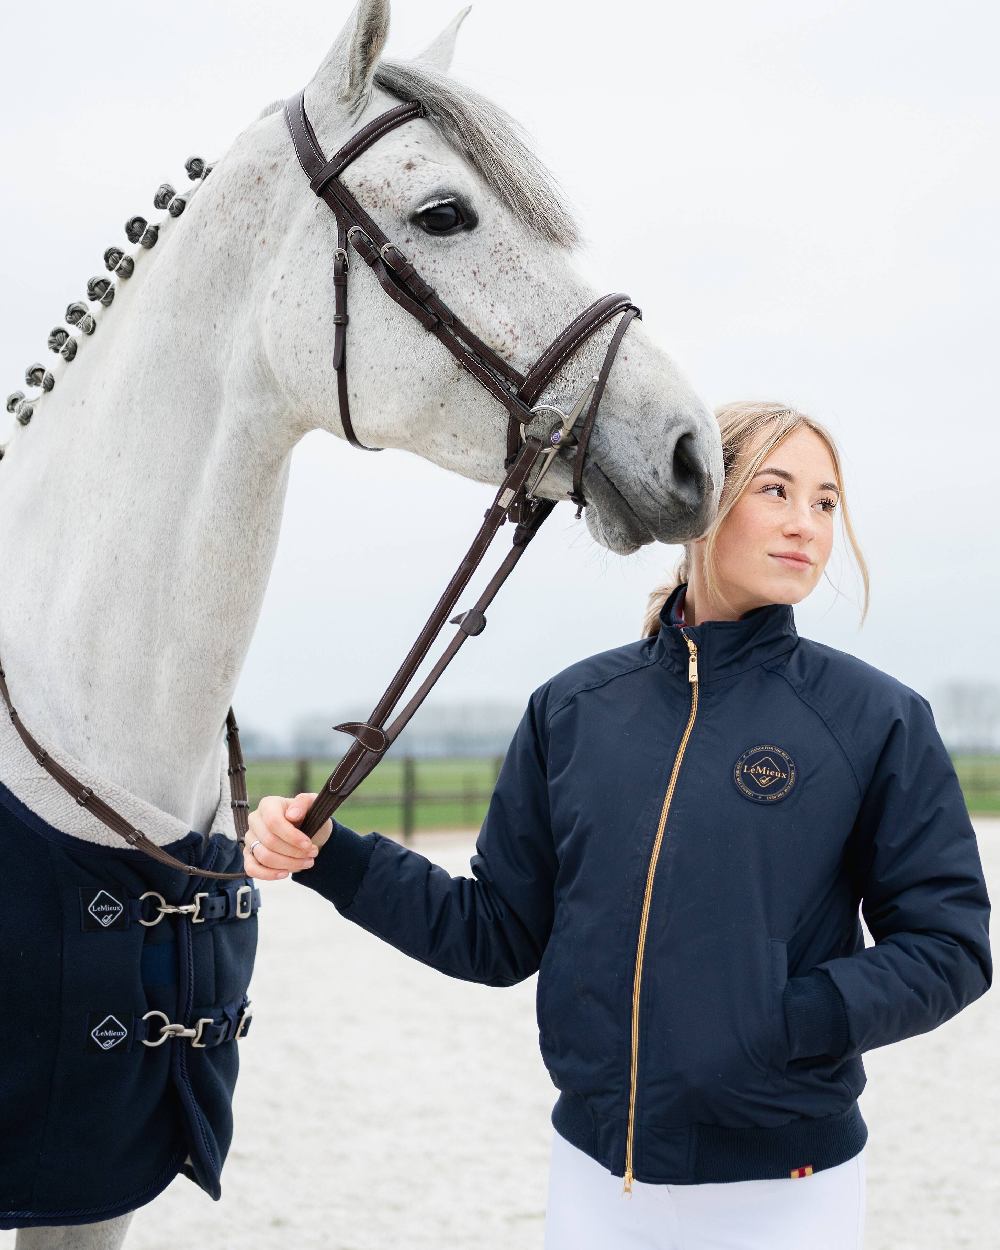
<point x="739" y="423"/>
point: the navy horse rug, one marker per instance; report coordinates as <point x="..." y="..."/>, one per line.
<point x="124" y="991"/>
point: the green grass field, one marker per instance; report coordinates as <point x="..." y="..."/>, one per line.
<point x="454" y="793"/>
<point x="980" y="778"/>
<point x="457" y="791"/>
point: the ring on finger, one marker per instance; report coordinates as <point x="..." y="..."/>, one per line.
<point x="253" y="846"/>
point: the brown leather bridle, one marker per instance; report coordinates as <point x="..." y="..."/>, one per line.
<point x="519" y="393"/>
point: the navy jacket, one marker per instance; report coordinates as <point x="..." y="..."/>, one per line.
<point x="678" y="843"/>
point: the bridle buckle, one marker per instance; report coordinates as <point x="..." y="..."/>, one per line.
<point x="364" y="234"/>
<point x="402" y="255"/>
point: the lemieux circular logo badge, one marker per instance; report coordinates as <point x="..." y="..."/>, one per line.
<point x="764" y="773"/>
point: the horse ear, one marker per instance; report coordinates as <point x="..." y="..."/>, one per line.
<point x="344" y="78"/>
<point x="440" y="52"/>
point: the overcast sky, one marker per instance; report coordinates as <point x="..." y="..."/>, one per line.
<point x="820" y="181"/>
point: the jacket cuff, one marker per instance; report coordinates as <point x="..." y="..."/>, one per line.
<point x="340" y="865"/>
<point x="815" y="1016"/>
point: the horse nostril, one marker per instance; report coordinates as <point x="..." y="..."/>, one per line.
<point x="688" y="467"/>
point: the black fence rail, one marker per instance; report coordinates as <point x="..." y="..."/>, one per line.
<point x="403" y="796"/>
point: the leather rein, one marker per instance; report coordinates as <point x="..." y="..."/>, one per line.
<point x="515" y="499"/>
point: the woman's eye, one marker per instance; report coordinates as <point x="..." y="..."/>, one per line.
<point x="445" y="217"/>
<point x="829" y="505"/>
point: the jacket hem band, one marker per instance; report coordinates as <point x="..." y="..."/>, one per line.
<point x="707" y="1153"/>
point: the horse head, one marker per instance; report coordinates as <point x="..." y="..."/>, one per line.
<point x="486" y="225"/>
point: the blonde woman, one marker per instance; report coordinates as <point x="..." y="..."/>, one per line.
<point x="679" y="840"/>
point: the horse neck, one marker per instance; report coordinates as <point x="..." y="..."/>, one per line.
<point x="140" y="512"/>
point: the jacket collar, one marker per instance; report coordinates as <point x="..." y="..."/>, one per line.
<point x="725" y="648"/>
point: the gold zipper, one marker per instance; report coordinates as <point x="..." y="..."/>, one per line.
<point x="644" y="922"/>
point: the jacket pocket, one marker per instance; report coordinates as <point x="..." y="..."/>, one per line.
<point x="709" y="1026"/>
<point x="778" y="950"/>
<point x="549" y="971"/>
<point x="581" y="1011"/>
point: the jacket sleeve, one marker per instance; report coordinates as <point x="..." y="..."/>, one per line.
<point x="491" y="927"/>
<point x="924" y="900"/>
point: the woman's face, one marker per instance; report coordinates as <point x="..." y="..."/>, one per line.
<point x="787" y="508"/>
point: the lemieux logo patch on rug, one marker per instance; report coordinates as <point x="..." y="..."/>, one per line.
<point x="108" y="1033"/>
<point x="105" y="909"/>
<point x="99" y="909"/>
<point x="764" y="773"/>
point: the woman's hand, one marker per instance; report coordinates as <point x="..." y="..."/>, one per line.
<point x="278" y="846"/>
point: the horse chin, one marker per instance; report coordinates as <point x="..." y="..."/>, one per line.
<point x="611" y="519"/>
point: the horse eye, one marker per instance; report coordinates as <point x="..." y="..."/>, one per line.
<point x="445" y="217"/>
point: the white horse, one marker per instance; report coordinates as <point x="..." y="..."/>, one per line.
<point x="140" y="506"/>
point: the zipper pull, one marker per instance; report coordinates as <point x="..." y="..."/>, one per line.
<point x="627" y="1190"/>
<point x="692" y="659"/>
